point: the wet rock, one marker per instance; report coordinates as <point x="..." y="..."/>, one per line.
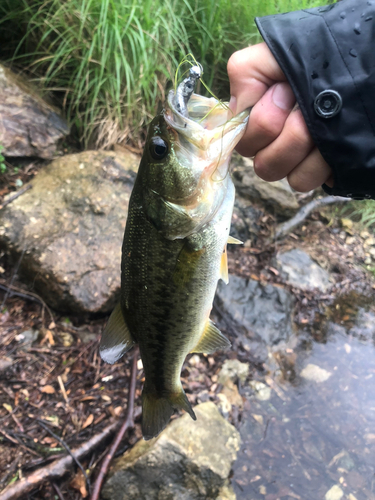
<point x="189" y="461"/>
<point x="301" y="271"/>
<point x="29" y="126"/>
<point x="276" y="196"/>
<point x="232" y="370"/>
<point x="261" y="391"/>
<point x="264" y="311"/>
<point x="364" y="327"/>
<point x="69" y="228"/>
<point x="315" y="373"/>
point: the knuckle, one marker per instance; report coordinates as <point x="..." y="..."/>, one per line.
<point x="300" y="182"/>
<point x="266" y="127"/>
<point x="266" y="171"/>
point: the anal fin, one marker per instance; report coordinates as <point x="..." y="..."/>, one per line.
<point x="212" y="340"/>
<point x="116" y="339"/>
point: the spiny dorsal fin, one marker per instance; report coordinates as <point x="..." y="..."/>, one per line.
<point x="211" y="340"/>
<point x="224" y="266"/>
<point x="234" y="241"/>
<point x="116" y="339"/>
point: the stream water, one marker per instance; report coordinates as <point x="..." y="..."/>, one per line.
<point x="308" y="428"/>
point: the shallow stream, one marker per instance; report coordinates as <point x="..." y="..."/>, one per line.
<point x="308" y="427"/>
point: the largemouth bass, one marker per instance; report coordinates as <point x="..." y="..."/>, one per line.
<point x="174" y="248"/>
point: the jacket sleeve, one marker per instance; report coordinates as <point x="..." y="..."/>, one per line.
<point x="328" y="57"/>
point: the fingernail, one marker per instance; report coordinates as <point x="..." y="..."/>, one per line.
<point x="283" y="97"/>
<point x="233" y="104"/>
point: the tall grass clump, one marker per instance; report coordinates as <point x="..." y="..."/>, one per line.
<point x="108" y="61"/>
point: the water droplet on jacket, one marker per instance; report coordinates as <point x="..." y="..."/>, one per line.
<point x="325" y="64"/>
<point x="357" y="28"/>
<point x="343" y="14"/>
<point x="368" y="18"/>
<point x="314" y="75"/>
<point x="353" y="52"/>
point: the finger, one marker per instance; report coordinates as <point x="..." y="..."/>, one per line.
<point x="311" y="173"/>
<point x="251" y="72"/>
<point x="267" y="119"/>
<point x="287" y="151"/>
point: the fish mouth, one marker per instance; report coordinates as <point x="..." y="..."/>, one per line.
<point x="209" y="133"/>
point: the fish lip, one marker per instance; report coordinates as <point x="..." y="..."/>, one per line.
<point x="204" y="122"/>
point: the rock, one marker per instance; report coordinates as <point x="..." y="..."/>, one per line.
<point x="264" y="311"/>
<point x="301" y="271"/>
<point x="71" y="225"/>
<point x="5" y="363"/>
<point x="29" y="126"/>
<point x="364" y="327"/>
<point x="335" y="493"/>
<point x="189" y="461"/>
<point x="232" y="370"/>
<point x="315" y="374"/>
<point x="27" y="337"/>
<point x="262" y="391"/>
<point x="277" y="196"/>
<point x="245" y="219"/>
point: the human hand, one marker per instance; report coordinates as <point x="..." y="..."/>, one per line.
<point x="276" y="135"/>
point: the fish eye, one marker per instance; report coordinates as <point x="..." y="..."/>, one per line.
<point x="158" y="148"/>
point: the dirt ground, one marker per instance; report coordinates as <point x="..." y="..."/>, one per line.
<point x="52" y="378"/>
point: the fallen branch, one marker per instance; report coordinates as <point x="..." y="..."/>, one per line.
<point x="128" y="424"/>
<point x="15" y="196"/>
<point x="288" y="226"/>
<point x="59" y="468"/>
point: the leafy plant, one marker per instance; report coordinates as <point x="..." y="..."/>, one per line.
<point x="108" y="61"/>
<point x="3" y="167"/>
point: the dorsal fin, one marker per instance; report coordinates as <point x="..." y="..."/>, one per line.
<point x="116" y="339"/>
<point x="211" y="340"/>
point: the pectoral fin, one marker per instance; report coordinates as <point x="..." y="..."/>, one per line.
<point x="224" y="266"/>
<point x="234" y="241"/>
<point x="211" y="340"/>
<point x="116" y="339"/>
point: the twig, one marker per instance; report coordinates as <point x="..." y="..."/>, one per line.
<point x="60" y="467"/>
<point x="288" y="226"/>
<point x="55" y="470"/>
<point x="13" y="277"/>
<point x="15" y="195"/>
<point x="62" y="389"/>
<point x="63" y="443"/>
<point x="58" y="492"/>
<point x="13" y="290"/>
<point x="128" y="424"/>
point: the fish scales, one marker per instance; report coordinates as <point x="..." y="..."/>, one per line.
<point x="174" y="250"/>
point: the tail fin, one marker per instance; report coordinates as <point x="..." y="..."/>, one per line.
<point x="157" y="410"/>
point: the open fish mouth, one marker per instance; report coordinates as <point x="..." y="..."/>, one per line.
<point x="206" y="129"/>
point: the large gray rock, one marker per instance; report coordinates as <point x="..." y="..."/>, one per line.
<point x="263" y="310"/>
<point x="276" y="196"/>
<point x="300" y="271"/>
<point x="28" y="125"/>
<point x="70" y="225"/>
<point x="188" y="461"/>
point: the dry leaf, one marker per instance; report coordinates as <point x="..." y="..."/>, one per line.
<point x="8" y="407"/>
<point x="48" y="389"/>
<point x="79" y="483"/>
<point x="89" y="420"/>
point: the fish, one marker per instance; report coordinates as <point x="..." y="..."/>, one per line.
<point x="174" y="247"/>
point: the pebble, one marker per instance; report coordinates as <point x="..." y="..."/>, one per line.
<point x="262" y="391"/>
<point x="335" y="493"/>
<point x="315" y="373"/>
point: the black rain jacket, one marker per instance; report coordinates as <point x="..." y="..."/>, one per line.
<point x="328" y="57"/>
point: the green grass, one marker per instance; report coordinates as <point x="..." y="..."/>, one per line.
<point x="360" y="211"/>
<point x="108" y="61"/>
